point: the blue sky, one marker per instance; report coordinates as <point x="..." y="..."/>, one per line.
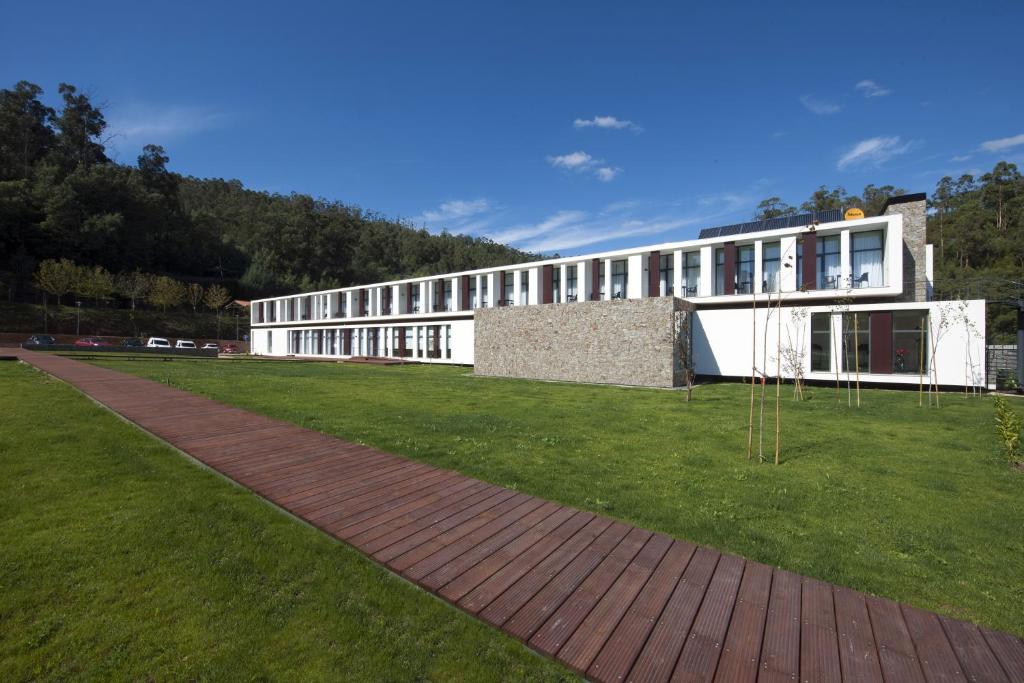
<point x="554" y="126"/>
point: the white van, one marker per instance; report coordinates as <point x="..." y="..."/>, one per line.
<point x="158" y="343"/>
<point x="185" y="344"/>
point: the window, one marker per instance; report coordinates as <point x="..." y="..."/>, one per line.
<point x="270" y="341"/>
<point x="719" y="271"/>
<point x="556" y="284"/>
<point x="619" y="277"/>
<point x="448" y="341"/>
<point x="821" y="342"/>
<point x="771" y="263"/>
<point x="472" y="291"/>
<point x="828" y="262"/>
<point x="509" y="288"/>
<point x="447" y="295"/>
<point x="483" y="291"/>
<point x="856" y="342"/>
<point x="601" y="281"/>
<point x="416" y="298"/>
<point x="910" y="342"/>
<point x="691" y="273"/>
<point x="745" y="269"/>
<point x="866" y="256"/>
<point x="570" y="281"/>
<point x="524" y="288"/>
<point x="665" y="274"/>
<point x="409" y="342"/>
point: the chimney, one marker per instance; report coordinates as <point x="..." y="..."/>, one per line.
<point x="915" y="274"/>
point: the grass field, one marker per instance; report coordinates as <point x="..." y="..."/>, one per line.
<point x="120" y="560"/>
<point x="913" y="504"/>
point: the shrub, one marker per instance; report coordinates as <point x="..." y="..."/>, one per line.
<point x="1008" y="425"/>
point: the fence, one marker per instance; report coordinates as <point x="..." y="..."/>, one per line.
<point x="1000" y="364"/>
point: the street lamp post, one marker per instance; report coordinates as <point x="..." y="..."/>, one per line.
<point x="78" y="318"/>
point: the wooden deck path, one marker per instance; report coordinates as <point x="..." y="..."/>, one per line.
<point x="612" y="601"/>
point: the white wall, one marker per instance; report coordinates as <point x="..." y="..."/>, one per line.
<point x="723" y="343"/>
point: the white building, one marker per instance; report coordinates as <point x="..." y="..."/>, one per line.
<point x="846" y="295"/>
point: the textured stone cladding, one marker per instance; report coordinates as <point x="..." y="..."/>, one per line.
<point x="914" y="240"/>
<point x="633" y="341"/>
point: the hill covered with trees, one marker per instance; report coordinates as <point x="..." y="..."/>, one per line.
<point x="62" y="197"/>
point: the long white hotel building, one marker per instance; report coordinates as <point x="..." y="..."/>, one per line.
<point x="837" y="296"/>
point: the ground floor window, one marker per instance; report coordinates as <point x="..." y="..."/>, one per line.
<point x="821" y="342"/>
<point x="909" y="341"/>
<point x="448" y="341"/>
<point x="620" y="271"/>
<point x="270" y="342"/>
<point x="666" y="272"/>
<point x="856" y="342"/>
<point x="570" y="282"/>
<point x="556" y="284"/>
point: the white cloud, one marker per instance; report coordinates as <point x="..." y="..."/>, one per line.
<point x="455" y="209"/>
<point x="869" y="88"/>
<point x="574" y="161"/>
<point x="156" y="124"/>
<point x="873" y="152"/>
<point x="581" y="162"/>
<point x="817" y="106"/>
<point x="1003" y="143"/>
<point x="609" y="122"/>
<point x="963" y="157"/>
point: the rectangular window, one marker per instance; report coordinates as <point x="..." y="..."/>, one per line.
<point x="409" y="341"/>
<point x="719" y="271"/>
<point x="416" y="298"/>
<point x="570" y="282"/>
<point x="619" y="277"/>
<point x="524" y="288"/>
<point x="556" y="284"/>
<point x="856" y="342"/>
<point x="510" y="291"/>
<point x="270" y="341"/>
<point x="447" y="295"/>
<point x="666" y="273"/>
<point x="691" y="273"/>
<point x="771" y="280"/>
<point x="828" y="262"/>
<point x="600" y="281"/>
<point x="866" y="259"/>
<point x="483" y="291"/>
<point x="472" y="291"/>
<point x="448" y="341"/>
<point x="745" y="269"/>
<point x="909" y="342"/>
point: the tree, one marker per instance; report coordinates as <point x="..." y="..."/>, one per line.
<point x="57" y="277"/>
<point x="217" y="297"/>
<point x="825" y="199"/>
<point x="195" y="295"/>
<point x="95" y="282"/>
<point x="166" y="293"/>
<point x="25" y="133"/>
<point x="773" y="207"/>
<point x="134" y="286"/>
<point x="79" y="127"/>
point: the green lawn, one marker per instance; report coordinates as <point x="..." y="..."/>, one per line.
<point x="913" y="504"/>
<point x="120" y="560"/>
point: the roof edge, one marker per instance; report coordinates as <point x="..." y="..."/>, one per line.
<point x="904" y="199"/>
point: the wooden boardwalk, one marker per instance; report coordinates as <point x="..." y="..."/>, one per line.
<point x="612" y="601"/>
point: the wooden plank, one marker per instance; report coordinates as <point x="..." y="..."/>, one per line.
<point x="703" y="648"/>
<point x="938" y="661"/>
<point x="616" y="658"/>
<point x="742" y="649"/>
<point x="558" y="526"/>
<point x="657" y="659"/>
<point x="858" y="654"/>
<point x="896" y="652"/>
<point x="590" y="636"/>
<point x="1009" y="650"/>
<point x="560" y="626"/>
<point x="978" y="661"/>
<point x="530" y="584"/>
<point x="819" y="643"/>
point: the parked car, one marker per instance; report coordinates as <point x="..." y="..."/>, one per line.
<point x="230" y="348"/>
<point x="158" y="343"/>
<point x="132" y="342"/>
<point x="91" y="341"/>
<point x="185" y="344"/>
<point x="210" y="346"/>
<point x="41" y="340"/>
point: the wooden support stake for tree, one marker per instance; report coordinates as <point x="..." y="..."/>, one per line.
<point x="753" y="376"/>
<point x="856" y="355"/>
<point x="920" y="369"/>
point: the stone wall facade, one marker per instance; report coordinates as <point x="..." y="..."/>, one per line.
<point x="915" y="238"/>
<point x="640" y="342"/>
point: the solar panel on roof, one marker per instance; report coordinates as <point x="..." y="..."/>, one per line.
<point x="772" y="224"/>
